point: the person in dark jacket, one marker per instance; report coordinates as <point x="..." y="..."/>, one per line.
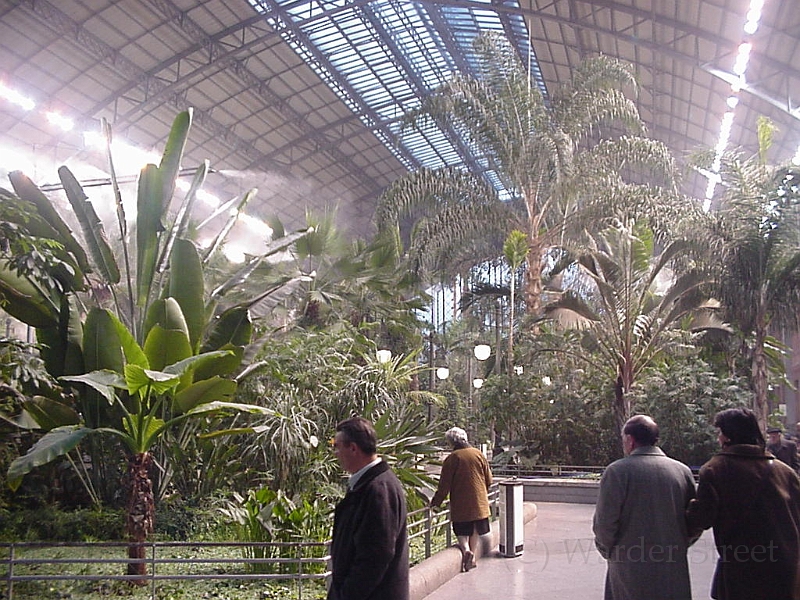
<point x="639" y="525"/>
<point x="781" y="448"/>
<point x="753" y="503"/>
<point x="369" y="551"/>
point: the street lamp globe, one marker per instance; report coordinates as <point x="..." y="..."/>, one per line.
<point x="442" y="372"/>
<point x="482" y="351"/>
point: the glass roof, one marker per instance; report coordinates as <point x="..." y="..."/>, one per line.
<point x="382" y="56"/>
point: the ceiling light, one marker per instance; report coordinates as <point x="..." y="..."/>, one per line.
<point x="60" y="121"/>
<point x="732" y="102"/>
<point x="16" y="98"/>
<point x="740" y="66"/>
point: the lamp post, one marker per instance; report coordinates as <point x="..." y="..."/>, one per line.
<point x="481" y="353"/>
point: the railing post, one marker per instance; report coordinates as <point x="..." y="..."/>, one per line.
<point x="11" y="557"/>
<point x="299" y="557"/>
<point x="448" y="533"/>
<point x="428" y="530"/>
<point x="153" y="571"/>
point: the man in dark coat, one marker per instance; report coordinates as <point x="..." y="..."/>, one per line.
<point x="781" y="448"/>
<point x="369" y="552"/>
<point x="639" y="523"/>
<point x="753" y="503"/>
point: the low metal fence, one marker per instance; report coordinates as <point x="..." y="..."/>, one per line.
<point x="30" y="569"/>
<point x="572" y="471"/>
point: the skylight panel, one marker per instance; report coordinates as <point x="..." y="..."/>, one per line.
<point x="382" y="56"/>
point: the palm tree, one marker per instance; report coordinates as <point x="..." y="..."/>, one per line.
<point x="551" y="154"/>
<point x="633" y="307"/>
<point x="756" y="250"/>
<point x="515" y="251"/>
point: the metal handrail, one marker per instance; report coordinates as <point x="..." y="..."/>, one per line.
<point x="425" y="523"/>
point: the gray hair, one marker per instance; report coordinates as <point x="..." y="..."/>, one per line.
<point x="457" y="437"/>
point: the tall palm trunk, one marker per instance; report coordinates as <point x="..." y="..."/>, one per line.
<point x="759" y="376"/>
<point x="622" y="402"/>
<point x="533" y="279"/>
<point x="141" y="512"/>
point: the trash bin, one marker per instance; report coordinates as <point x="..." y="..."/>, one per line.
<point x="512" y="523"/>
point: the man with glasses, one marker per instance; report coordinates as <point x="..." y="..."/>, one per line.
<point x="369" y="551"/>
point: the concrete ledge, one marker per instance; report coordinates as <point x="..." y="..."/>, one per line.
<point x="432" y="572"/>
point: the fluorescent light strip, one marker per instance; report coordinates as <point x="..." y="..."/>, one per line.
<point x="15" y="97"/>
<point x="125" y="153"/>
<point x="739" y="68"/>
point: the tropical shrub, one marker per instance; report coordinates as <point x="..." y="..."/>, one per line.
<point x="267" y="516"/>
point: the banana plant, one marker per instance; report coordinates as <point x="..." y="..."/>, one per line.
<point x="149" y="402"/>
<point x="126" y="315"/>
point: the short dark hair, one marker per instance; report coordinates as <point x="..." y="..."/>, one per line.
<point x="642" y="429"/>
<point x="740" y="426"/>
<point x="359" y="431"/>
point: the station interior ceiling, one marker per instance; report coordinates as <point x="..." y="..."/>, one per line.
<point x="303" y="98"/>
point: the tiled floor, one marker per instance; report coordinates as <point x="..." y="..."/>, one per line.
<point x="559" y="561"/>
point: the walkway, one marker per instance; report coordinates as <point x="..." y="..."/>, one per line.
<point x="559" y="561"/>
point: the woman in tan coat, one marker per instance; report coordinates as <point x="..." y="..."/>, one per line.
<point x="466" y="477"/>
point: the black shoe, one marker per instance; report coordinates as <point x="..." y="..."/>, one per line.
<point x="468" y="561"/>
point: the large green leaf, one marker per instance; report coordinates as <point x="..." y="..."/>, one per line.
<point x="158" y="382"/>
<point x="55" y="443"/>
<point x="108" y="344"/>
<point x="27" y="190"/>
<point x="231" y="327"/>
<point x="50" y="414"/>
<point x="167" y="313"/>
<point x="182" y="219"/>
<point x="148" y="226"/>
<point x="93" y="231"/>
<point x="61" y="347"/>
<point x="166" y="346"/>
<point x="201" y="392"/>
<point x="25" y="301"/>
<point x="228" y="408"/>
<point x="103" y="381"/>
<point x="186" y="285"/>
<point x="173" y="153"/>
<point x="233" y="331"/>
<point x="196" y="362"/>
<point x="225" y="365"/>
<point x="156" y="186"/>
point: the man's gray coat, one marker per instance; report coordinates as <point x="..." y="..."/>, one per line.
<point x="640" y="529"/>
